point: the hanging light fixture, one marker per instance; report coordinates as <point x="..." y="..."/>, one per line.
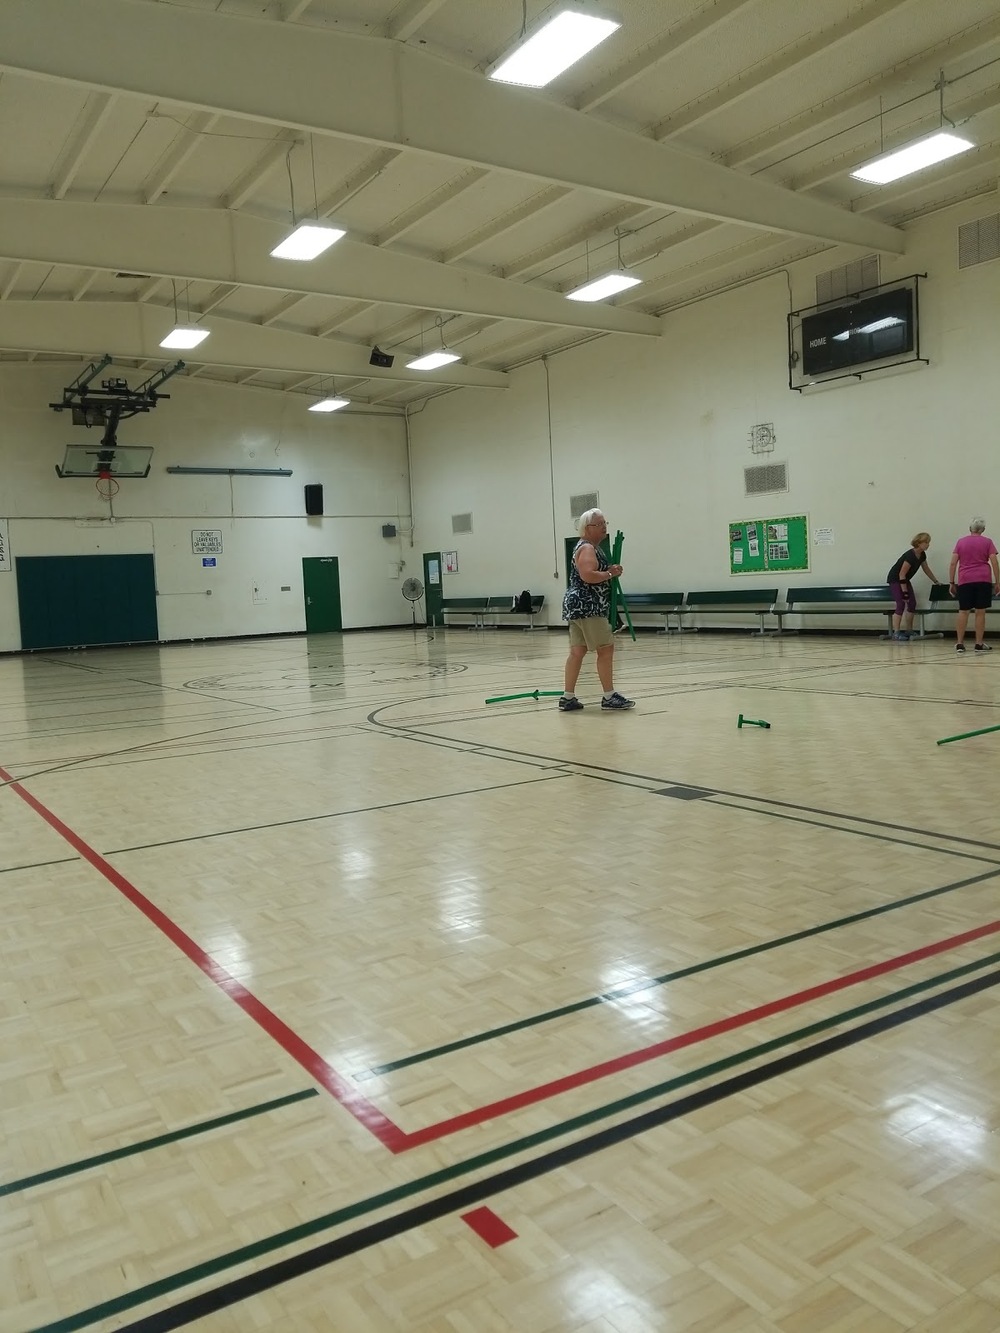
<point x="609" y="284"/>
<point x="919" y="153"/>
<point x="307" y="240"/>
<point x="331" y="403"/>
<point x="564" y="34"/>
<point x="184" y="335"/>
<point x="434" y="360"/>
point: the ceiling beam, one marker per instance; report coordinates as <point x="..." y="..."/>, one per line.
<point x="125" y="329"/>
<point x="901" y="79"/>
<point x="11" y="282"/>
<point x="208" y="245"/>
<point x="184" y="143"/>
<point x="344" y="317"/>
<point x="98" y="109"/>
<point x="353" y="184"/>
<point x="577" y="238"/>
<point x="409" y="17"/>
<point x="294" y="9"/>
<point x="665" y="48"/>
<point x="430" y="205"/>
<point x="397" y="96"/>
<point x="271" y="156"/>
<point x="767" y="71"/>
<point x="531" y="208"/>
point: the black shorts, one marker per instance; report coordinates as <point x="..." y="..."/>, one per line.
<point x="975" y="596"/>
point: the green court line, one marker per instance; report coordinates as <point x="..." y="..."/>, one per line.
<point x="258" y="1249"/>
<point x="204" y="1127"/>
<point x="650" y="983"/>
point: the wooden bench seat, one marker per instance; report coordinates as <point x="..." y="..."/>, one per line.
<point x="489" y="612"/>
<point x="665" y="604"/>
<point x="872" y="599"/>
<point x="759" y="602"/>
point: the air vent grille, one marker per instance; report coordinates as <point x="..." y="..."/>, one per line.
<point x="579" y="504"/>
<point x="767" y="479"/>
<point x="979" y="241"/>
<point x="461" y="523"/>
<point x="839" y="282"/>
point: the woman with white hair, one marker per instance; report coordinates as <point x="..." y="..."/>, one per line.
<point x="586" y="604"/>
<point x="974" y="561"/>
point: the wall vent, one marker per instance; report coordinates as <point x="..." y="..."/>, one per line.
<point x="979" y="241"/>
<point x="461" y="523"/>
<point x="844" y="281"/>
<point x="767" y="479"/>
<point x="579" y="504"/>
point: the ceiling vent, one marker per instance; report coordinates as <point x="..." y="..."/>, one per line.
<point x="461" y="523"/>
<point x="979" y="241"/>
<point x="768" y="479"/>
<point x="845" y="281"/>
<point x="143" y="276"/>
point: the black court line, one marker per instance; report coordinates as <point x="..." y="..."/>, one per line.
<point x="39" y="865"/>
<point x="160" y="1141"/>
<point x="309" y="1261"/>
<point x="634" y="988"/>
<point x="335" y="814"/>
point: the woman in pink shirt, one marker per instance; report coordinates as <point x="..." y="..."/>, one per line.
<point x="975" y="562"/>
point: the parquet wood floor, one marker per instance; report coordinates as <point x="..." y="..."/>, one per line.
<point x="308" y="956"/>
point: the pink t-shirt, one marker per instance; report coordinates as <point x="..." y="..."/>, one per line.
<point x="974" y="554"/>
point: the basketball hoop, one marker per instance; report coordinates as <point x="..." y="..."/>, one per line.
<point x="107" y="486"/>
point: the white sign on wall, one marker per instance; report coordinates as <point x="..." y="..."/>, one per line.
<point x="206" y="541"/>
<point x="4" y="547"/>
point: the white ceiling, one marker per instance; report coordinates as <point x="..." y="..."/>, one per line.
<point x="158" y="144"/>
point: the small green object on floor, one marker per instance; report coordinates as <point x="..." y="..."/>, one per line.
<point x="751" y="722"/>
<point x="531" y="694"/>
<point x="966" y="734"/>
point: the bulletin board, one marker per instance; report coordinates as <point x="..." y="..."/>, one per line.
<point x="757" y="545"/>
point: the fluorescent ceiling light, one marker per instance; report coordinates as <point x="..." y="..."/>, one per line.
<point x="562" y="40"/>
<point x="433" y="360"/>
<point x="877" y="324"/>
<point x="912" y="157"/>
<point x="874" y="327"/>
<point x="602" y="287"/>
<point x="330" y="405"/>
<point x="308" y="240"/>
<point x="185" y="335"/>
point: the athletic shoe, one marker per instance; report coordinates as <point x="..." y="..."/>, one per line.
<point x="959" y="647"/>
<point x="902" y="638"/>
<point x="617" y="701"/>
<point x="569" y="705"/>
<point x="984" y="648"/>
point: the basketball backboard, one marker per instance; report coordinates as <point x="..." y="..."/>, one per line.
<point x="91" y="460"/>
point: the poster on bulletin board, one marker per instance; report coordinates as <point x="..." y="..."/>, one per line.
<point x="757" y="545"/>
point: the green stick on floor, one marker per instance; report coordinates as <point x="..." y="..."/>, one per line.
<point x="751" y="722"/>
<point x="531" y="694"/>
<point x="966" y="734"/>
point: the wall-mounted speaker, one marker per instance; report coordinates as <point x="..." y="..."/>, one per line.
<point x="388" y="529"/>
<point x="314" y="499"/>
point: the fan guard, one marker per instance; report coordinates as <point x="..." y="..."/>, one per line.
<point x="412" y="590"/>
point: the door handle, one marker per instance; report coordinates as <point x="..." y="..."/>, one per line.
<point x="309" y="601"/>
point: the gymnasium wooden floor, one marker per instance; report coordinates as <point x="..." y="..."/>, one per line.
<point x="335" y="1001"/>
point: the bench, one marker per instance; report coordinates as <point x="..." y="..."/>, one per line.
<point x="759" y="602"/>
<point x="665" y="604"/>
<point x="942" y="602"/>
<point x="875" y="599"/>
<point x="487" y="612"/>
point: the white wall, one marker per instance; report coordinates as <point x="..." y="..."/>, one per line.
<point x="660" y="429"/>
<point x="359" y="459"/>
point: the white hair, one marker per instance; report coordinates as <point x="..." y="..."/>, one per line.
<point x="978" y="525"/>
<point x="586" y="518"/>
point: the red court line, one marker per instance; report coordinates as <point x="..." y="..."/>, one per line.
<point x="490" y="1228"/>
<point x="646" y="1053"/>
<point x="345" y="1093"/>
<point x="364" y="1111"/>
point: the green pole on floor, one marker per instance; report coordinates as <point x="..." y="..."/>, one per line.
<point x="531" y="694"/>
<point x="966" y="734"/>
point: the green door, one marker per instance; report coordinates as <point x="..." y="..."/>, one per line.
<point x="432" y="587"/>
<point x="79" y="601"/>
<point x="321" y="588"/>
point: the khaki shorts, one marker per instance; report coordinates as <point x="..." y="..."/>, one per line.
<point x="594" y="632"/>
